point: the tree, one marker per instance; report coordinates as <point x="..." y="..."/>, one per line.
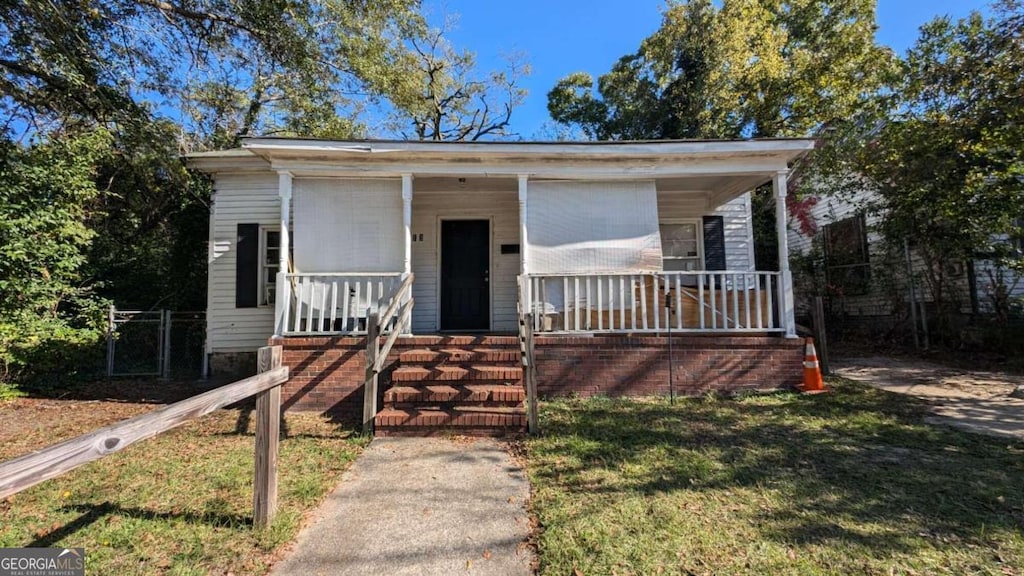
<point x="157" y="78"/>
<point x="752" y="68"/>
<point x="46" y="202"/>
<point x="220" y="67"/>
<point x="437" y="93"/>
<point x="946" y="156"/>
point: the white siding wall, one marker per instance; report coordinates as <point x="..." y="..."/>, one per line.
<point x="739" y="238"/>
<point x="428" y="208"/>
<point x="237" y="199"/>
<point x="982" y="268"/>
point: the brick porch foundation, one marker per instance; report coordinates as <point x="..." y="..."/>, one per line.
<point x="638" y="365"/>
<point x="327" y="373"/>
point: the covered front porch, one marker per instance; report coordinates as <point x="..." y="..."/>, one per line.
<point x="595" y="239"/>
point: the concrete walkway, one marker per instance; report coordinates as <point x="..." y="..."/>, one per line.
<point x="977" y="401"/>
<point x="420" y="506"/>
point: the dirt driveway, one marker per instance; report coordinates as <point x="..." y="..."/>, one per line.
<point x="972" y="400"/>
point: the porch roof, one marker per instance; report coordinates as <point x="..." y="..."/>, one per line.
<point x="719" y="169"/>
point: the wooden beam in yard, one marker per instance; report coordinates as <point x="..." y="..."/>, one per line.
<point x="268" y="435"/>
<point x="31" y="469"/>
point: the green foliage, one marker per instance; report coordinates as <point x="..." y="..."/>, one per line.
<point x="756" y="68"/>
<point x="48" y="316"/>
<point x="237" y="68"/>
<point x="736" y="69"/>
<point x="943" y="149"/>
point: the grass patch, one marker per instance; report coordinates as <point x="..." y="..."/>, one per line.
<point x="851" y="482"/>
<point x="181" y="503"/>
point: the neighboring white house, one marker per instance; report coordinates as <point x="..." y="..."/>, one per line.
<point x="850" y="248"/>
<point x="307" y="235"/>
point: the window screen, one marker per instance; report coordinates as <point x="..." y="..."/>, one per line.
<point x="593" y="227"/>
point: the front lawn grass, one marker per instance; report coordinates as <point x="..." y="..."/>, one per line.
<point x="851" y="482"/>
<point x="181" y="503"/>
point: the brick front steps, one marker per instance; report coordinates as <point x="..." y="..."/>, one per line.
<point x="476" y="391"/>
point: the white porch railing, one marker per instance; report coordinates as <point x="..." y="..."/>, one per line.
<point x="319" y="304"/>
<point x="694" y="302"/>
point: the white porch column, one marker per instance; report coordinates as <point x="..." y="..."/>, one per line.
<point x="283" y="296"/>
<point x="523" y="178"/>
<point x="407" y="219"/>
<point x="787" y="311"/>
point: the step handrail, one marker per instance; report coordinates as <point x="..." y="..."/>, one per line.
<point x="526" y="351"/>
<point x="376" y="355"/>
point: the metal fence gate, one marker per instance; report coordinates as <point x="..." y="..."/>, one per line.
<point x="162" y="343"/>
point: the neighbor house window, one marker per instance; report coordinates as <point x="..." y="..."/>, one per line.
<point x="681" y="245"/>
<point x="846" y="256"/>
<point x="270" y="254"/>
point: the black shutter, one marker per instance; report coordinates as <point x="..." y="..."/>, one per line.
<point x="247" y="265"/>
<point x="714" y="243"/>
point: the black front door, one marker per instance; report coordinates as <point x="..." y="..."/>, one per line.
<point x="465" y="274"/>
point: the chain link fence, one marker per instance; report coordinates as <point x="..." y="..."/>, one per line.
<point x="165" y="343"/>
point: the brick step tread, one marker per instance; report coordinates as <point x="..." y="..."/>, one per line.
<point x="442" y="393"/>
<point x="431" y="356"/>
<point x="457" y="373"/>
<point x="443" y="431"/>
<point x="455" y="417"/>
<point x="451" y="341"/>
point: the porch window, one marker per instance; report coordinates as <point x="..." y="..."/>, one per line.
<point x="270" y="253"/>
<point x="846" y="255"/>
<point x="681" y="245"/>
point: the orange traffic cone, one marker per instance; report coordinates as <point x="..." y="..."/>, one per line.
<point x="813" y="383"/>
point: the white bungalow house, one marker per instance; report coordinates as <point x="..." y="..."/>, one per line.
<point x="613" y="239"/>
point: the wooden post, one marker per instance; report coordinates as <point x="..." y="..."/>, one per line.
<point x="530" y="375"/>
<point x="820" y="335"/>
<point x="526" y="323"/>
<point x="523" y="244"/>
<point x="165" y="350"/>
<point x="110" y="341"/>
<point x="370" y="388"/>
<point x="268" y="432"/>
<point x="407" y="220"/>
<point x="787" y="310"/>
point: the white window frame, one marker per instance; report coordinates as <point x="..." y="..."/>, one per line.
<point x="262" y="301"/>
<point x="699" y="223"/>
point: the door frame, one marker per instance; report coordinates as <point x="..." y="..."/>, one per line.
<point x="441" y="217"/>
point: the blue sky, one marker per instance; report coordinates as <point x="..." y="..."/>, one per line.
<point x="563" y="36"/>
